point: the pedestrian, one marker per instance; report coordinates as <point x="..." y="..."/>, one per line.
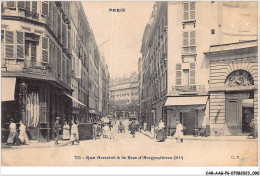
<point x="252" y="128"/>
<point x="22" y="135"/>
<point x="106" y="131"/>
<point x="74" y="133"/>
<point x="94" y="129"/>
<point x="145" y="126"/>
<point x="13" y="136"/>
<point x="66" y="131"/>
<point x="57" y="129"/>
<point x="132" y="128"/>
<point x="161" y="135"/>
<point x="179" y="134"/>
<point x="152" y="132"/>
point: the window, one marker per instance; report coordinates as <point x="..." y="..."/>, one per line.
<point x="178" y="74"/>
<point x="11" y="4"/>
<point x="189" y="42"/>
<point x="45" y="9"/>
<point x="45" y="49"/>
<point x="9" y="44"/>
<point x="188" y="11"/>
<point x="192" y="73"/>
<point x="20" y="45"/>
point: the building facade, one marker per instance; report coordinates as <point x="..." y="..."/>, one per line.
<point x="123" y="93"/>
<point x="50" y="66"/>
<point x="180" y="74"/>
<point x="35" y="62"/>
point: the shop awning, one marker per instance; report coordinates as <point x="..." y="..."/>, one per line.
<point x="8" y="89"/>
<point x="74" y="99"/>
<point x="182" y="101"/>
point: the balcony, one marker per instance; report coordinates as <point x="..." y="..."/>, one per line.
<point x="188" y="50"/>
<point x="190" y="89"/>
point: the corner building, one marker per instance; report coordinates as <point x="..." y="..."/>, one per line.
<point x="176" y="75"/>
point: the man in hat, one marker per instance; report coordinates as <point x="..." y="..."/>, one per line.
<point x="57" y="128"/>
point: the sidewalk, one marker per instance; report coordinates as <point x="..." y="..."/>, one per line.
<point x="36" y="144"/>
<point x="209" y="138"/>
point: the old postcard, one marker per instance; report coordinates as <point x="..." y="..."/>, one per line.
<point x="171" y="83"/>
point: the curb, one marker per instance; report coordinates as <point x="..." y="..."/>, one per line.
<point x="28" y="146"/>
<point x="208" y="139"/>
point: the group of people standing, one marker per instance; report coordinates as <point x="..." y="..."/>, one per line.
<point x="160" y="134"/>
<point x="13" y="137"/>
<point x="72" y="134"/>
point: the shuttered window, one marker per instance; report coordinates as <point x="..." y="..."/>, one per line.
<point x="63" y="72"/>
<point x="178" y="74"/>
<point x="185" y="38"/>
<point x="9" y="44"/>
<point x="50" y="53"/>
<point x="45" y="49"/>
<point x="20" y="45"/>
<point x="64" y="35"/>
<point x="50" y="15"/>
<point x="192" y="73"/>
<point x="192" y="10"/>
<point x="189" y="38"/>
<point x="10" y="4"/>
<point x="59" y="63"/>
<point x="59" y="26"/>
<point x="45" y="9"/>
<point x="21" y="4"/>
<point x="189" y="11"/>
<point x="186" y="11"/>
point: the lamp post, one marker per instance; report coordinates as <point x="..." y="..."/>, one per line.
<point x="22" y="99"/>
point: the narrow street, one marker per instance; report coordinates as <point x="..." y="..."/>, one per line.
<point x="188" y="153"/>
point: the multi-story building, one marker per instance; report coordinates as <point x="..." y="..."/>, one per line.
<point x="86" y="79"/>
<point x="176" y="74"/>
<point x="35" y="63"/>
<point x="50" y="66"/>
<point x="123" y="92"/>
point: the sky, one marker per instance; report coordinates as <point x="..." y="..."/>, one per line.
<point x="122" y="32"/>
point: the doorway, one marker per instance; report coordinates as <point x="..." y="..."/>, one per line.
<point x="239" y="112"/>
<point x="189" y="121"/>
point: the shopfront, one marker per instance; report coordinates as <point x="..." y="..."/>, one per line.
<point x="191" y="111"/>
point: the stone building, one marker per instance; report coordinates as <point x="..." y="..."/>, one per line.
<point x="175" y="71"/>
<point x="123" y="92"/>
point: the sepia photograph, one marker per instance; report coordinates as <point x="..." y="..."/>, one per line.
<point x="129" y="83"/>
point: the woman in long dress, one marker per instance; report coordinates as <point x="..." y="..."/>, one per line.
<point x="74" y="133"/>
<point x="179" y="134"/>
<point x="66" y="131"/>
<point x="161" y="136"/>
<point x="22" y="135"/>
<point x="13" y="136"/>
<point x="106" y="131"/>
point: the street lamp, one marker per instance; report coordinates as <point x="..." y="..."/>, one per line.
<point x="22" y="93"/>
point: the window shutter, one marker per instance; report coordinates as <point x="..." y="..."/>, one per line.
<point x="50" y="52"/>
<point x="10" y="4"/>
<point x="185" y="38"/>
<point x="59" y="63"/>
<point x="192" y="38"/>
<point x="50" y="15"/>
<point x="20" y="45"/>
<point x="192" y="73"/>
<point x="45" y="9"/>
<point x="34" y="6"/>
<point x="59" y="26"/>
<point x="185" y="11"/>
<point x="21" y="4"/>
<point x="64" y="35"/>
<point x="63" y="71"/>
<point x="192" y="10"/>
<point x="45" y="49"/>
<point x="9" y="44"/>
<point x="178" y="74"/>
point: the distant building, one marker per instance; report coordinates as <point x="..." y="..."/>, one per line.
<point x="174" y="74"/>
<point x="124" y="91"/>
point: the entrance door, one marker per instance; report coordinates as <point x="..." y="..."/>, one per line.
<point x="189" y="121"/>
<point x="232" y="116"/>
